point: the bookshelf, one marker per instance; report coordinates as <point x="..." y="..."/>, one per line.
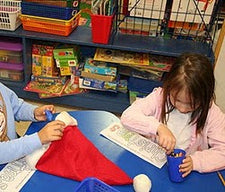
<point x="113" y="102"/>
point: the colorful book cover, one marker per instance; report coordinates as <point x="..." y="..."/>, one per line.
<point x="89" y="83"/>
<point x="52" y="80"/>
<point x="98" y="67"/>
<point x="147" y="8"/>
<point x="191" y="11"/>
<point x="47" y="88"/>
<point x="98" y="76"/>
<point x="186" y="25"/>
<point x="121" y="57"/>
<point x="143" y="24"/>
<point x="161" y="63"/>
<point x="140" y="26"/>
<point x="70" y="89"/>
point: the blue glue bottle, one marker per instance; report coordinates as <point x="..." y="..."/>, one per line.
<point x="49" y="115"/>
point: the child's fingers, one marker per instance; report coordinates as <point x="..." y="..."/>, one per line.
<point x="186" y="167"/>
<point x="186" y="173"/>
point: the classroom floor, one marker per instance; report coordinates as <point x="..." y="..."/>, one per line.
<point x="22" y="126"/>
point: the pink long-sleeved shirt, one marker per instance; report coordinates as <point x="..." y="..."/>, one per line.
<point x="207" y="149"/>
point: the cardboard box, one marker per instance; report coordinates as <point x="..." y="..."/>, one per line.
<point x="97" y="76"/>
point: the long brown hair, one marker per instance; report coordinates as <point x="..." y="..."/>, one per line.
<point x="193" y="72"/>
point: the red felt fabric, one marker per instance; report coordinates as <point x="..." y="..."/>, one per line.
<point x="75" y="157"/>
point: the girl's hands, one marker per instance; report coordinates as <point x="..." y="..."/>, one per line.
<point x="39" y="112"/>
<point x="187" y="166"/>
<point x="52" y="131"/>
<point x="166" y="138"/>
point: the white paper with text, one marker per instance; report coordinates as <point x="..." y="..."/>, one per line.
<point x="14" y="176"/>
<point x="135" y="143"/>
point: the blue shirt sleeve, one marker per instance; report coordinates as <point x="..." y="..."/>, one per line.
<point x="17" y="110"/>
<point x="18" y="148"/>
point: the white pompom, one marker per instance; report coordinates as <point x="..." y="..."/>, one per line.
<point x="142" y="183"/>
<point x="66" y="118"/>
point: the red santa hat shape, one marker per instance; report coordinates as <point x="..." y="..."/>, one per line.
<point x="75" y="157"/>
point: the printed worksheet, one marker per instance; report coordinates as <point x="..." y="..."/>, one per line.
<point x="14" y="175"/>
<point x="136" y="143"/>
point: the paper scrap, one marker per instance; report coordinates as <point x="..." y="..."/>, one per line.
<point x="136" y="143"/>
<point x="14" y="175"/>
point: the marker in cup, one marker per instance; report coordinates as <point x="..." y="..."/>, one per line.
<point x="49" y="115"/>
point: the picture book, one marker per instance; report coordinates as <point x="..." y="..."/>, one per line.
<point x="42" y="60"/>
<point x="121" y="57"/>
<point x="98" y="84"/>
<point x="140" y="23"/>
<point x="138" y="32"/>
<point x="85" y="7"/>
<point x="140" y="26"/>
<point x="70" y="89"/>
<point x="189" y="33"/>
<point x="146" y="75"/>
<point x="160" y="63"/>
<point x="186" y="25"/>
<point x="97" y="76"/>
<point x="47" y="88"/>
<point x="52" y="80"/>
<point x="140" y="73"/>
<point x="147" y="8"/>
<point x="103" y="7"/>
<point x="66" y="54"/>
<point x="198" y="11"/>
<point x="99" y="67"/>
<point x="122" y="86"/>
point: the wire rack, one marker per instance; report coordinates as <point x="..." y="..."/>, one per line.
<point x="195" y="20"/>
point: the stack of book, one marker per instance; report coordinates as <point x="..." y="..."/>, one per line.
<point x="135" y="64"/>
<point x="142" y="17"/>
<point x="99" y="75"/>
<point x="49" y="79"/>
<point x="140" y="26"/>
<point x="189" y="20"/>
<point x="140" y="67"/>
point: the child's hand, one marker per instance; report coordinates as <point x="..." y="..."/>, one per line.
<point x="166" y="138"/>
<point x="51" y="132"/>
<point x="39" y="112"/>
<point x="187" y="166"/>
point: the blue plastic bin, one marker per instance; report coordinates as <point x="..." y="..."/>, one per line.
<point x="92" y="184"/>
<point x="50" y="11"/>
<point x="142" y="85"/>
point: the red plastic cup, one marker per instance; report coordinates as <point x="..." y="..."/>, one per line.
<point x="101" y="27"/>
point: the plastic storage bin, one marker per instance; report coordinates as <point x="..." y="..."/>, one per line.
<point x="101" y="28"/>
<point x="48" y="25"/>
<point x="142" y="85"/>
<point x="93" y="184"/>
<point x="49" y="11"/>
<point x="9" y="15"/>
<point x="60" y="3"/>
<point x="11" y="51"/>
<point x="11" y="72"/>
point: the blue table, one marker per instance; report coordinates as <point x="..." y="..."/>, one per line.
<point x="91" y="123"/>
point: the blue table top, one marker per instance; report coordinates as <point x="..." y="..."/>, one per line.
<point x="91" y="123"/>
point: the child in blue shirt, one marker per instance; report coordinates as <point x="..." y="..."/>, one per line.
<point x="14" y="109"/>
